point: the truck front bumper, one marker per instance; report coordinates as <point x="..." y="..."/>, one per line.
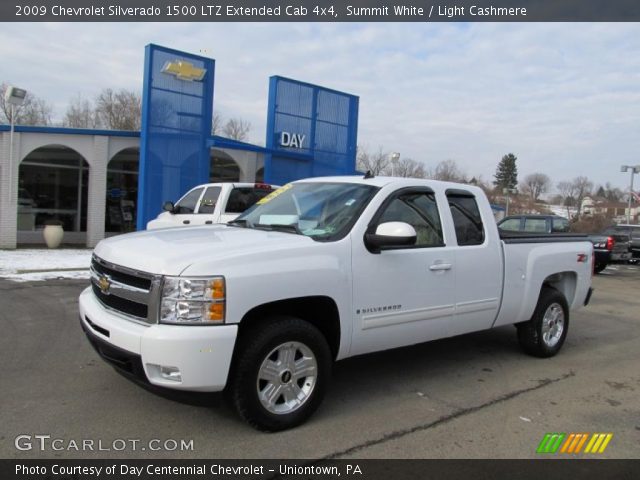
<point x="195" y="358"/>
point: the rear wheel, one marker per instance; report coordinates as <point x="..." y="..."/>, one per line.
<point x="598" y="267"/>
<point x="280" y="373"/>
<point x="544" y="335"/>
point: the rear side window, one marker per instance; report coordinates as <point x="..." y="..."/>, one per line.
<point x="466" y="219"/>
<point x="512" y="225"/>
<point x="241" y="198"/>
<point x="209" y="199"/>
<point x="187" y="204"/>
<point x="535" y="225"/>
<point x="560" y="225"/>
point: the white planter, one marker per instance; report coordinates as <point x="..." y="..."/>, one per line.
<point x="53" y="235"/>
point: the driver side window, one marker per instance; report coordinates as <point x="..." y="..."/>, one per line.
<point x="187" y="204"/>
<point x="418" y="209"/>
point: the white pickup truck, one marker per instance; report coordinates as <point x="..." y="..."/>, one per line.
<point x="210" y="203"/>
<point x="321" y="270"/>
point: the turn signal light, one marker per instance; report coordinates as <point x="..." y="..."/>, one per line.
<point x="216" y="312"/>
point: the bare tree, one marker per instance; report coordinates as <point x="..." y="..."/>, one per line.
<point x="447" y="171"/>
<point x="119" y="110"/>
<point x="535" y="184"/>
<point x="80" y="114"/>
<point x="377" y="163"/>
<point x="216" y="124"/>
<point x="33" y="111"/>
<point x="236" y="128"/>
<point x="567" y="193"/>
<point x="406" y="167"/>
<point x="582" y="187"/>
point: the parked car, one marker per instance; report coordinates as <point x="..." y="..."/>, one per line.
<point x="210" y="203"/>
<point x="320" y="270"/>
<point x="603" y="246"/>
<point x="627" y="234"/>
<point x="534" y="224"/>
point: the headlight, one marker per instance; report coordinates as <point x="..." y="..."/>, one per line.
<point x="197" y="301"/>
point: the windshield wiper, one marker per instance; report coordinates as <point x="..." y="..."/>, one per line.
<point x="279" y="227"/>
<point x="241" y="222"/>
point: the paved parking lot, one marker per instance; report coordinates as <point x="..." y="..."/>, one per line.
<point x="475" y="396"/>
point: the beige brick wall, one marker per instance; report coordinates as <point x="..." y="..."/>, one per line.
<point x="9" y="190"/>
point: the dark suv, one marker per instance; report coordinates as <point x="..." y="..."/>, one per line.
<point x="627" y="233"/>
<point x="534" y="224"/>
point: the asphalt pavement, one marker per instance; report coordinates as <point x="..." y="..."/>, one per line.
<point x="473" y="396"/>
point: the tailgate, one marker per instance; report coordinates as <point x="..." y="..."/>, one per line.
<point x="621" y="243"/>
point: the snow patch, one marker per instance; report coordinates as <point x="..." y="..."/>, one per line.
<point x="33" y="265"/>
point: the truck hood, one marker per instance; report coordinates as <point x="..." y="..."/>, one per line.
<point x="170" y="251"/>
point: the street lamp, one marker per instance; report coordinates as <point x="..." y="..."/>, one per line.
<point x="507" y="191"/>
<point x="634" y="169"/>
<point x="15" y="97"/>
<point x="395" y="157"/>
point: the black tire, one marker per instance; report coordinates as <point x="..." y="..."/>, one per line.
<point x="258" y="345"/>
<point x="598" y="267"/>
<point x="530" y="334"/>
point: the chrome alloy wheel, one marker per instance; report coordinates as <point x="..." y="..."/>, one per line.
<point x="552" y="324"/>
<point x="287" y="377"/>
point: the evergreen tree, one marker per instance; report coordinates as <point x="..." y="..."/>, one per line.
<point x="507" y="172"/>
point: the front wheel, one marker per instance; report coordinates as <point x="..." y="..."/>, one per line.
<point x="280" y="373"/>
<point x="544" y="335"/>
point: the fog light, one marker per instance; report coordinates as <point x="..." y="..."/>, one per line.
<point x="171" y="373"/>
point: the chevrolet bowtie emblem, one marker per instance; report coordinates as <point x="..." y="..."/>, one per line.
<point x="104" y="284"/>
<point x="184" y="70"/>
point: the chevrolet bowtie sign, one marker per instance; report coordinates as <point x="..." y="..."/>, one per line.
<point x="184" y="70"/>
<point x="104" y="283"/>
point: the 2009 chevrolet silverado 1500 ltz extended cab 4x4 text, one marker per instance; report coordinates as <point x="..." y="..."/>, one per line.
<point x="320" y="270"/>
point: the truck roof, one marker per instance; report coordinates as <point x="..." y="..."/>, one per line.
<point x="399" y="181"/>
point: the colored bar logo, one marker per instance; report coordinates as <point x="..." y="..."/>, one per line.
<point x="574" y="443"/>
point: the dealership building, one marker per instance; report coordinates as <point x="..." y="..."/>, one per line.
<point x="102" y="182"/>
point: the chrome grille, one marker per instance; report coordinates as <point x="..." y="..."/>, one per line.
<point x="129" y="292"/>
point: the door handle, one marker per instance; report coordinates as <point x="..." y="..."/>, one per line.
<point x="440" y="266"/>
<point x="186" y="222"/>
<point x="209" y="222"/>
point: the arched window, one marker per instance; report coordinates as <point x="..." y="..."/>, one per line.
<point x="53" y="186"/>
<point x="260" y="175"/>
<point x="223" y="167"/>
<point x="122" y="191"/>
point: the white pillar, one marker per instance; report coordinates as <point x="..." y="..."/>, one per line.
<point x="97" y="194"/>
<point x="9" y="190"/>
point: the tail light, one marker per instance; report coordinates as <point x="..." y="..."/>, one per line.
<point x="610" y="243"/>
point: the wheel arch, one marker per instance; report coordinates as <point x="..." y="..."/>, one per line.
<point x="320" y="311"/>
<point x="565" y="283"/>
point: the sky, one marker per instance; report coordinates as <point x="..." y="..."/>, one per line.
<point x="563" y="97"/>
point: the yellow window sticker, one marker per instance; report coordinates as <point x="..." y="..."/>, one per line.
<point x="274" y="194"/>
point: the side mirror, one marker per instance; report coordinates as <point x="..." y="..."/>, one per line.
<point x="391" y="235"/>
<point x="168" y="207"/>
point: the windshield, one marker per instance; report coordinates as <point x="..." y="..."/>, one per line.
<point x="322" y="211"/>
